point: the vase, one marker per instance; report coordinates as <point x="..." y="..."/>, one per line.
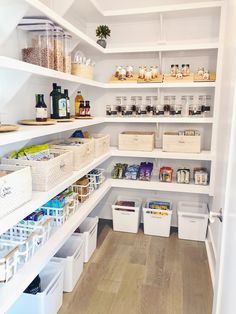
<point x="102" y="43"/>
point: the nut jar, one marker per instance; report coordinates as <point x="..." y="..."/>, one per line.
<point x="36" y="41"/>
<point x="58" y="48"/>
<point x="67" y="53"/>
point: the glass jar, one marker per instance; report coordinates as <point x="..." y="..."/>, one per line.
<point x="67" y="53"/>
<point x="58" y="48"/>
<point x="36" y="41"/>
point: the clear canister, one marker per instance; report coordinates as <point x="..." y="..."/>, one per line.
<point x="36" y="41"/>
<point x="58" y="48"/>
<point x="67" y="53"/>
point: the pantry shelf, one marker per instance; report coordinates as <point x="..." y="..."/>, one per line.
<point x="13" y="289"/>
<point x="159" y="85"/>
<point x="160" y="186"/>
<point x="29" y="132"/>
<point x="158" y="153"/>
<point x="40" y="198"/>
<point x="158" y="120"/>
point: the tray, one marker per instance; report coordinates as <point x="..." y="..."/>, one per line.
<point x="84" y="118"/>
<point x="133" y="79"/>
<point x="159" y="79"/>
<point x="64" y="120"/>
<point x="33" y="122"/>
<point x="170" y="79"/>
<point x="197" y="78"/>
<point x="8" y="128"/>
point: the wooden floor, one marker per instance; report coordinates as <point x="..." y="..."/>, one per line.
<point x="139" y="274"/>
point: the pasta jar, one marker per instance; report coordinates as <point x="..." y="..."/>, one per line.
<point x="67" y="53"/>
<point x="36" y="41"/>
<point x="58" y="48"/>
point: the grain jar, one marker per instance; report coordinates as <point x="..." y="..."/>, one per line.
<point x="67" y="53"/>
<point x="36" y="41"/>
<point x="58" y="48"/>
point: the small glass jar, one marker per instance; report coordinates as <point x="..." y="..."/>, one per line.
<point x="166" y="105"/>
<point x="67" y="53"/>
<point x="58" y="48"/>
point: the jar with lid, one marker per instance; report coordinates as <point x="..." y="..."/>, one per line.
<point x="166" y="105"/>
<point x="67" y="53"/>
<point x="58" y="48"/>
<point x="36" y="41"/>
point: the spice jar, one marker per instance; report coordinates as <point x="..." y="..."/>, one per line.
<point x="37" y="43"/>
<point x="58" y="48"/>
<point x="67" y="53"/>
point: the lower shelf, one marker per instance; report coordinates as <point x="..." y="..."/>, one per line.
<point x="13" y="289"/>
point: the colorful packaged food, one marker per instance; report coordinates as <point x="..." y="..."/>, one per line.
<point x="166" y="174"/>
<point x="183" y="176"/>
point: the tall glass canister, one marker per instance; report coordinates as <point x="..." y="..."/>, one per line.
<point x="67" y="53"/>
<point x="58" y="48"/>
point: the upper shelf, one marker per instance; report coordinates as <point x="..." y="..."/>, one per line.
<point x="84" y="38"/>
<point x="13" y="64"/>
<point x="157" y="9"/>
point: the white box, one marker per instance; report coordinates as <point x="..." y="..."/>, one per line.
<point x="192" y="220"/>
<point x="157" y="221"/>
<point x="101" y="144"/>
<point x="125" y="218"/>
<point x="90" y="229"/>
<point x="72" y="253"/>
<point x="181" y="143"/>
<point x="47" y="173"/>
<point x="15" y="188"/>
<point x="49" y="300"/>
<point x="140" y="141"/>
<point x="82" y="155"/>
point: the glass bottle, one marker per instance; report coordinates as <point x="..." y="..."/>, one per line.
<point x="62" y="110"/>
<point x="78" y="99"/>
<point x="55" y="96"/>
<point x="87" y="108"/>
<point x="67" y="103"/>
<point x="41" y="109"/>
<point x="82" y="109"/>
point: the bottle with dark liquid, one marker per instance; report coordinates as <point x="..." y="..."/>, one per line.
<point x="67" y="103"/>
<point x="41" y="109"/>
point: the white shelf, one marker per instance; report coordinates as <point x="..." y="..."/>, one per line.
<point x="45" y="10"/>
<point x="158" y="153"/>
<point x="40" y="198"/>
<point x="159" y="85"/>
<point x="157" y="9"/>
<point x="158" y="120"/>
<point x="14" y="64"/>
<point x="13" y="289"/>
<point x="29" y="132"/>
<point x="160" y="186"/>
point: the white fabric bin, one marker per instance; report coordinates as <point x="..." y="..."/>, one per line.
<point x="126" y="218"/>
<point x="72" y="253"/>
<point x="49" y="300"/>
<point x="157" y="221"/>
<point x="89" y="228"/>
<point x="192" y="220"/>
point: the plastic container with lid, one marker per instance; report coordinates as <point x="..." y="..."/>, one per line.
<point x="67" y="53"/>
<point x="58" y="48"/>
<point x="36" y="41"/>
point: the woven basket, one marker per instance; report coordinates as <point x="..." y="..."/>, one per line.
<point x="101" y="143"/>
<point x="82" y="155"/>
<point x="82" y="70"/>
<point x="46" y="174"/>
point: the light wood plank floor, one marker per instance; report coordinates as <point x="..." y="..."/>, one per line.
<point x="139" y="274"/>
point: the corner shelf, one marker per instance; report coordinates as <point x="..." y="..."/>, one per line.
<point x="158" y="120"/>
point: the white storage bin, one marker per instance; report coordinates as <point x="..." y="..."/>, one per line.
<point x="48" y="173"/>
<point x="82" y="154"/>
<point x="49" y="300"/>
<point x="157" y="221"/>
<point x="72" y="253"/>
<point x="8" y="261"/>
<point x="15" y="188"/>
<point x="192" y="220"/>
<point x="101" y="144"/>
<point x="140" y="141"/>
<point x="90" y="229"/>
<point x="126" y="218"/>
<point x="181" y="143"/>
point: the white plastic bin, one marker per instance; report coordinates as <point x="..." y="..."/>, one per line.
<point x="126" y="218"/>
<point x="49" y="300"/>
<point x="157" y="220"/>
<point x="72" y="253"/>
<point x="89" y="228"/>
<point x="193" y="219"/>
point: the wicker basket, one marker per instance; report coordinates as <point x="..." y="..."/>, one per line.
<point x="46" y="174"/>
<point x="82" y="70"/>
<point x="101" y="144"/>
<point x="82" y="155"/>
